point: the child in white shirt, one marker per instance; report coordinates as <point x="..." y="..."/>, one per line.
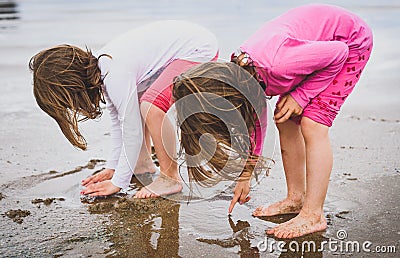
<point x="70" y="83"/>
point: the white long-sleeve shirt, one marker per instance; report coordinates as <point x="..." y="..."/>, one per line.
<point x="136" y="56"/>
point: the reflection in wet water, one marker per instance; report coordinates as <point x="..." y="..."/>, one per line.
<point x="241" y="236"/>
<point x="247" y="240"/>
<point x="141" y="227"/>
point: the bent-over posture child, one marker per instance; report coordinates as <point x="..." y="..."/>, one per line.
<point x="132" y="74"/>
<point x="312" y="57"/>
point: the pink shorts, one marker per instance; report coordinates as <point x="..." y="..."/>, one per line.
<point x="326" y="105"/>
<point x="160" y="91"/>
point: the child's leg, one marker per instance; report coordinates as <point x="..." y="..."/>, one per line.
<point x="155" y="103"/>
<point x="293" y="157"/>
<point x="163" y="136"/>
<point x="316" y="119"/>
<point x="145" y="163"/>
<point x="318" y="169"/>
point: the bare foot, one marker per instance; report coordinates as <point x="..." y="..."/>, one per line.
<point x="161" y="186"/>
<point x="286" y="206"/>
<point x="302" y="224"/>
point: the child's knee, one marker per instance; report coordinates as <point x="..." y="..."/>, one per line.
<point x="288" y="126"/>
<point x="145" y="108"/>
<point x="151" y="113"/>
<point x="312" y="130"/>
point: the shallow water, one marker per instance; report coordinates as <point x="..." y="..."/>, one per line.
<point x="37" y="162"/>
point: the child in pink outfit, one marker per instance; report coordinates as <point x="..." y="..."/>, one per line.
<point x="312" y="57"/>
<point x="315" y="53"/>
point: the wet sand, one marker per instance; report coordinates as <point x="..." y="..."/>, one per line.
<point x="42" y="213"/>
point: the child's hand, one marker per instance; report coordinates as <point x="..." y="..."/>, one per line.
<point x="101" y="189"/>
<point x="241" y="191"/>
<point x="103" y="175"/>
<point x="286" y="108"/>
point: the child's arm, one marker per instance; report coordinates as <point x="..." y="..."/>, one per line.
<point x="285" y="108"/>
<point x="105" y="174"/>
<point x="241" y="191"/>
<point x="242" y="187"/>
<point x="319" y="61"/>
<point x="260" y="132"/>
<point x="126" y="134"/>
<point x="116" y="139"/>
<point x="132" y="138"/>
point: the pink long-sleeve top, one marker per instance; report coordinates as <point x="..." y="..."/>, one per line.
<point x="301" y="51"/>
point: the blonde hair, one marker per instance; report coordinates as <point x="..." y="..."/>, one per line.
<point x="67" y="85"/>
<point x="211" y="85"/>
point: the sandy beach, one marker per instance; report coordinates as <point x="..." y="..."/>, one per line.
<point x="43" y="215"/>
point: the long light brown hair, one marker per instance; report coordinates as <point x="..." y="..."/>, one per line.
<point x="67" y="85"/>
<point x="208" y="99"/>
